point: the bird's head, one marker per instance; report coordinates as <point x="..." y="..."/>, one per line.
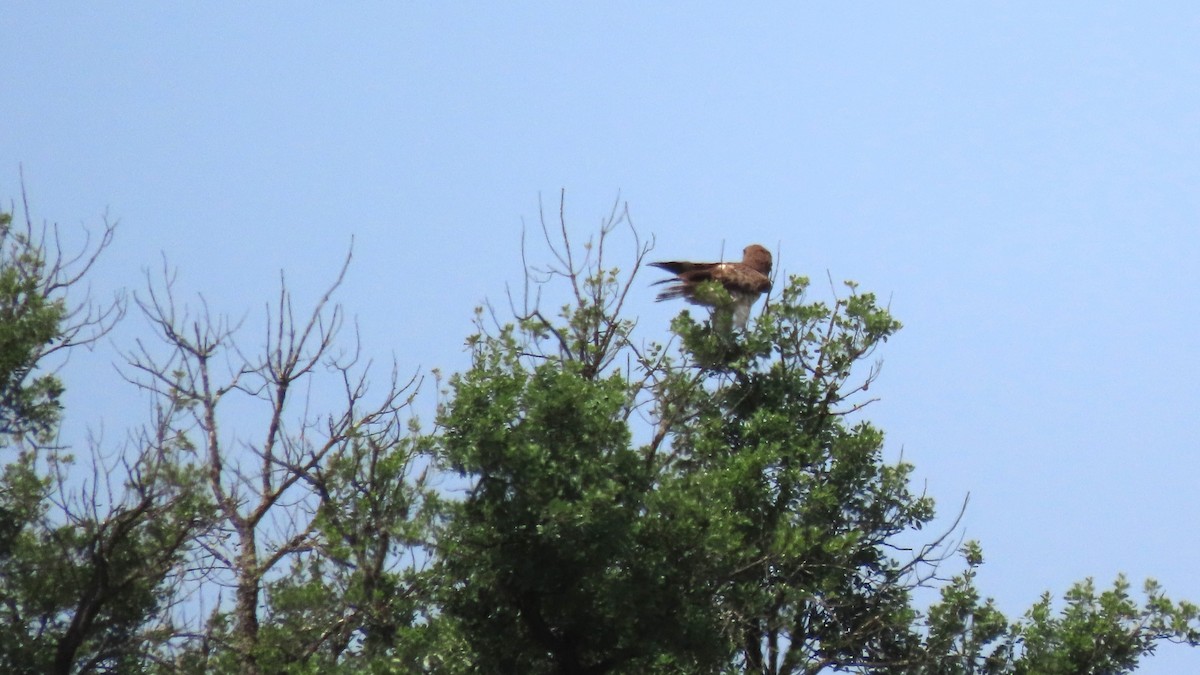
<point x="757" y="258"/>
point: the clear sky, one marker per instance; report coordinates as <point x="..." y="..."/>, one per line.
<point x="1022" y="180"/>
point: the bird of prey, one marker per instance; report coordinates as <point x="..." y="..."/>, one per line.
<point x="745" y="280"/>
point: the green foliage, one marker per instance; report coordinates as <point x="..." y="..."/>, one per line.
<point x="555" y="560"/>
<point x="1105" y="633"/>
<point x="1101" y="633"/>
<point x="809" y="505"/>
<point x="30" y="321"/>
<point x="359" y="603"/>
<point x="965" y="634"/>
<point x="82" y="570"/>
<point x="77" y="593"/>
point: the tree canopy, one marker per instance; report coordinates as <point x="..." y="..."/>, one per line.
<point x="587" y="500"/>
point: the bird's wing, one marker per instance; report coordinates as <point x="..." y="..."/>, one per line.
<point x="683" y="267"/>
<point x="739" y="278"/>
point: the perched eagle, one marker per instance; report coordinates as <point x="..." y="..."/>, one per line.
<point x="745" y="280"/>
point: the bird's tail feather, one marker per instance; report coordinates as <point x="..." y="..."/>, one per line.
<point x="673" y="292"/>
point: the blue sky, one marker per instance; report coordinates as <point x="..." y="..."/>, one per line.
<point x="1020" y="180"/>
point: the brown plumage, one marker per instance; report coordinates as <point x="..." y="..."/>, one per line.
<point x="744" y="281"/>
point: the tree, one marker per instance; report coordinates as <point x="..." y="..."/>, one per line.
<point x="722" y="507"/>
<point x="83" y="564"/>
<point x="319" y="527"/>
<point x="36" y="322"/>
<point x="756" y="536"/>
<point x="1091" y="633"/>
<point x="312" y="511"/>
<point x="562" y="557"/>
